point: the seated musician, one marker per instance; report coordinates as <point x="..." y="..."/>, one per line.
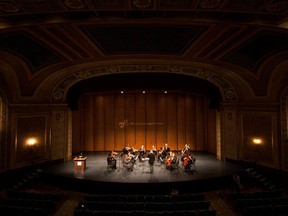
<point x="161" y="156"/>
<point x="185" y="149"/>
<point x="111" y="160"/>
<point x="133" y="151"/>
<point x="174" y="161"/>
<point x="188" y="161"/>
<point x="128" y="162"/>
<point x="185" y="152"/>
<point x="126" y="149"/>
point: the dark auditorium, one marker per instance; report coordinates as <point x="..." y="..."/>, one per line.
<point x="144" y="107"/>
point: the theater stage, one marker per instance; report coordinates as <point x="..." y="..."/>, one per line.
<point x="209" y="173"/>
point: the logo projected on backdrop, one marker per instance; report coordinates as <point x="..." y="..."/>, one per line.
<point x="126" y="123"/>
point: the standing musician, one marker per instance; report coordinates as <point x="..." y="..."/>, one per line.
<point x="142" y="153"/>
<point x="166" y="149"/>
<point x="111" y="160"/>
<point x="154" y="150"/>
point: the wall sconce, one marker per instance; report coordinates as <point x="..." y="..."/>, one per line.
<point x="257" y="141"/>
<point x="31" y="141"/>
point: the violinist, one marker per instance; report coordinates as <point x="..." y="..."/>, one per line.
<point x="142" y="153"/>
<point x="126" y="149"/>
<point x="154" y="150"/>
<point x="166" y="149"/>
<point x="111" y="160"/>
<point x="161" y="155"/>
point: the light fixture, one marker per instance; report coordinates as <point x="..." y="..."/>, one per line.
<point x="31" y="141"/>
<point x="257" y="141"/>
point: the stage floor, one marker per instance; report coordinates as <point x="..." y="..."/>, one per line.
<point x="207" y="167"/>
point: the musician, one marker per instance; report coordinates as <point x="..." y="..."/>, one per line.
<point x="142" y="153"/>
<point x="126" y="149"/>
<point x="151" y="161"/>
<point x="133" y="151"/>
<point x="168" y="160"/>
<point x="173" y="161"/>
<point x="111" y="160"/>
<point x="188" y="160"/>
<point x="166" y="149"/>
<point x="161" y="156"/>
<point x="128" y="162"/>
<point x="154" y="150"/>
<point x="185" y="149"/>
<point x="185" y="152"/>
<point x="133" y="157"/>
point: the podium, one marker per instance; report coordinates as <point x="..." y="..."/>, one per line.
<point x="80" y="164"/>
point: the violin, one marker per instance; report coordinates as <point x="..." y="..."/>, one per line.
<point x="168" y="161"/>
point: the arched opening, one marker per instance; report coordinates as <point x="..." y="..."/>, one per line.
<point x="111" y="111"/>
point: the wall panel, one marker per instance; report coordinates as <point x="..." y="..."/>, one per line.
<point x="130" y="116"/>
<point x="172" y="127"/>
<point x="200" y="120"/>
<point x="88" y="125"/>
<point x="161" y="119"/>
<point x="119" y="116"/>
<point x="140" y="120"/>
<point x="190" y="114"/>
<point x="150" y="121"/>
<point x="111" y="120"/>
<point x="109" y="128"/>
<point x="98" y="121"/>
<point x="181" y="114"/>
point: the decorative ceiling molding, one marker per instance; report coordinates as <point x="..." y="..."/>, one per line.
<point x="60" y="91"/>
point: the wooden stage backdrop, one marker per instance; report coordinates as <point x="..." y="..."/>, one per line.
<point x="108" y="121"/>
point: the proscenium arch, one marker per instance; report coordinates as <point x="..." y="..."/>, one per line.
<point x="148" y="82"/>
<point x="59" y="93"/>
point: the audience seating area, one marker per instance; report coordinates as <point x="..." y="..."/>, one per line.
<point x="269" y="201"/>
<point x="188" y="204"/>
<point x="30" y="203"/>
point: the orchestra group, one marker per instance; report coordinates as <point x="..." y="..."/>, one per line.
<point x="130" y="155"/>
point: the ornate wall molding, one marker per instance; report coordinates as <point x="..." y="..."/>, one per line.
<point x="284" y="127"/>
<point x="284" y="117"/>
<point x="3" y="131"/>
<point x="227" y="90"/>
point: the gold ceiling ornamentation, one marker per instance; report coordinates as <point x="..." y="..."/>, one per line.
<point x="227" y="90"/>
<point x="210" y="4"/>
<point x="75" y="4"/>
<point x="142" y="3"/>
<point x="9" y="8"/>
<point x="277" y="6"/>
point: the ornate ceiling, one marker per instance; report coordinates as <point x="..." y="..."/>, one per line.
<point x="52" y="44"/>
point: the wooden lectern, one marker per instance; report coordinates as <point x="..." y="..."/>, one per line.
<point x="80" y="164"/>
